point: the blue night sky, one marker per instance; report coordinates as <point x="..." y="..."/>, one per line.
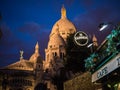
<point x="24" y="22"/>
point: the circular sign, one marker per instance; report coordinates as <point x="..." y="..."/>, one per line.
<point x="81" y="38"/>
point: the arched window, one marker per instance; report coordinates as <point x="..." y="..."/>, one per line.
<point x="63" y="55"/>
<point x="60" y="54"/>
<point x="52" y="53"/>
<point x="55" y="54"/>
<point x="39" y="66"/>
<point x="50" y="46"/>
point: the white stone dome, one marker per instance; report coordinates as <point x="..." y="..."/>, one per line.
<point x="56" y="40"/>
<point x="36" y="57"/>
<point x="63" y="26"/>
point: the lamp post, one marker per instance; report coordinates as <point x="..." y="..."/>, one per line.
<point x="113" y="48"/>
<point x="93" y="44"/>
<point x="90" y="46"/>
<point x="114" y="37"/>
<point x="103" y="26"/>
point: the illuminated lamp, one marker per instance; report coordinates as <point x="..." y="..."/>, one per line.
<point x="102" y="26"/>
<point x="90" y="45"/>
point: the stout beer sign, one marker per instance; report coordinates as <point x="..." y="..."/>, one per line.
<point x="81" y="38"/>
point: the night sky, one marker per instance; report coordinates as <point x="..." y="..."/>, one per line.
<point x="24" y="22"/>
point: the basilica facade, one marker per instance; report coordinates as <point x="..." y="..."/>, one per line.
<point x="24" y="74"/>
<point x="36" y="73"/>
<point x="55" y="51"/>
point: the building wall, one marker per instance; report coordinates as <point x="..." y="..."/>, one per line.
<point x="80" y="82"/>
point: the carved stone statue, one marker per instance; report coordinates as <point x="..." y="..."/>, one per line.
<point x="21" y="54"/>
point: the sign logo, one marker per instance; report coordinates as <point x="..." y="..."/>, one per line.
<point x="81" y="38"/>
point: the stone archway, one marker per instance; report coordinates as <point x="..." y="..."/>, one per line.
<point x="41" y="86"/>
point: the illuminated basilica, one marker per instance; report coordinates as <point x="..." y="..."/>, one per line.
<point x="35" y="73"/>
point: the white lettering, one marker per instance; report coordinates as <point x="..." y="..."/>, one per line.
<point x="78" y="38"/>
<point x="118" y="60"/>
<point x="81" y="38"/>
<point x="102" y="72"/>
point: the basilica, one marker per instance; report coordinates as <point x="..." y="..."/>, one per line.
<point x="36" y="73"/>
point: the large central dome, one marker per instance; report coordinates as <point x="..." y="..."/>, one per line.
<point x="63" y="26"/>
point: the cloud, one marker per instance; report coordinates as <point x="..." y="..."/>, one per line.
<point x="89" y="20"/>
<point x="8" y="37"/>
<point x="23" y="38"/>
<point x="30" y="27"/>
<point x="38" y="32"/>
<point x="8" y="45"/>
<point x="33" y="29"/>
<point x="69" y="2"/>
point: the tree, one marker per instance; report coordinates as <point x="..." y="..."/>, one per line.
<point x="75" y="56"/>
<point x="59" y="79"/>
<point x="0" y="33"/>
<point x="0" y="28"/>
<point x="0" y="16"/>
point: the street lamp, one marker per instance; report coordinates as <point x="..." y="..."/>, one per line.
<point x="102" y="26"/>
<point x="93" y="44"/>
<point x="89" y="45"/>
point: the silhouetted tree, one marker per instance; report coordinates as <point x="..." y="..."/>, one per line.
<point x="0" y="27"/>
<point x="59" y="79"/>
<point x="0" y="16"/>
<point x="0" y="33"/>
<point x="75" y="55"/>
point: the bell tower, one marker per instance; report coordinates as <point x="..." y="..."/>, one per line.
<point x="94" y="39"/>
<point x="63" y="12"/>
<point x="95" y="43"/>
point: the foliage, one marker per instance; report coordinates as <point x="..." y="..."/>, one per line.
<point x="113" y="39"/>
<point x="59" y="79"/>
<point x="0" y="33"/>
<point x="90" y="61"/>
<point x="0" y="28"/>
<point x="110" y="47"/>
<point x="75" y="55"/>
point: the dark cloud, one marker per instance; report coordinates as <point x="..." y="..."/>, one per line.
<point x="24" y="38"/>
<point x="33" y="29"/>
<point x="18" y="36"/>
<point x="0" y="33"/>
<point x="8" y="37"/>
<point x="38" y="32"/>
<point x="83" y="3"/>
<point x="90" y="20"/>
<point x="9" y="58"/>
<point x="87" y="3"/>
<point x="69" y="2"/>
<point x="8" y="45"/>
<point x="30" y="27"/>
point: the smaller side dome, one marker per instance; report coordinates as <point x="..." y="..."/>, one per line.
<point x="94" y="39"/>
<point x="35" y="58"/>
<point x="56" y="40"/>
